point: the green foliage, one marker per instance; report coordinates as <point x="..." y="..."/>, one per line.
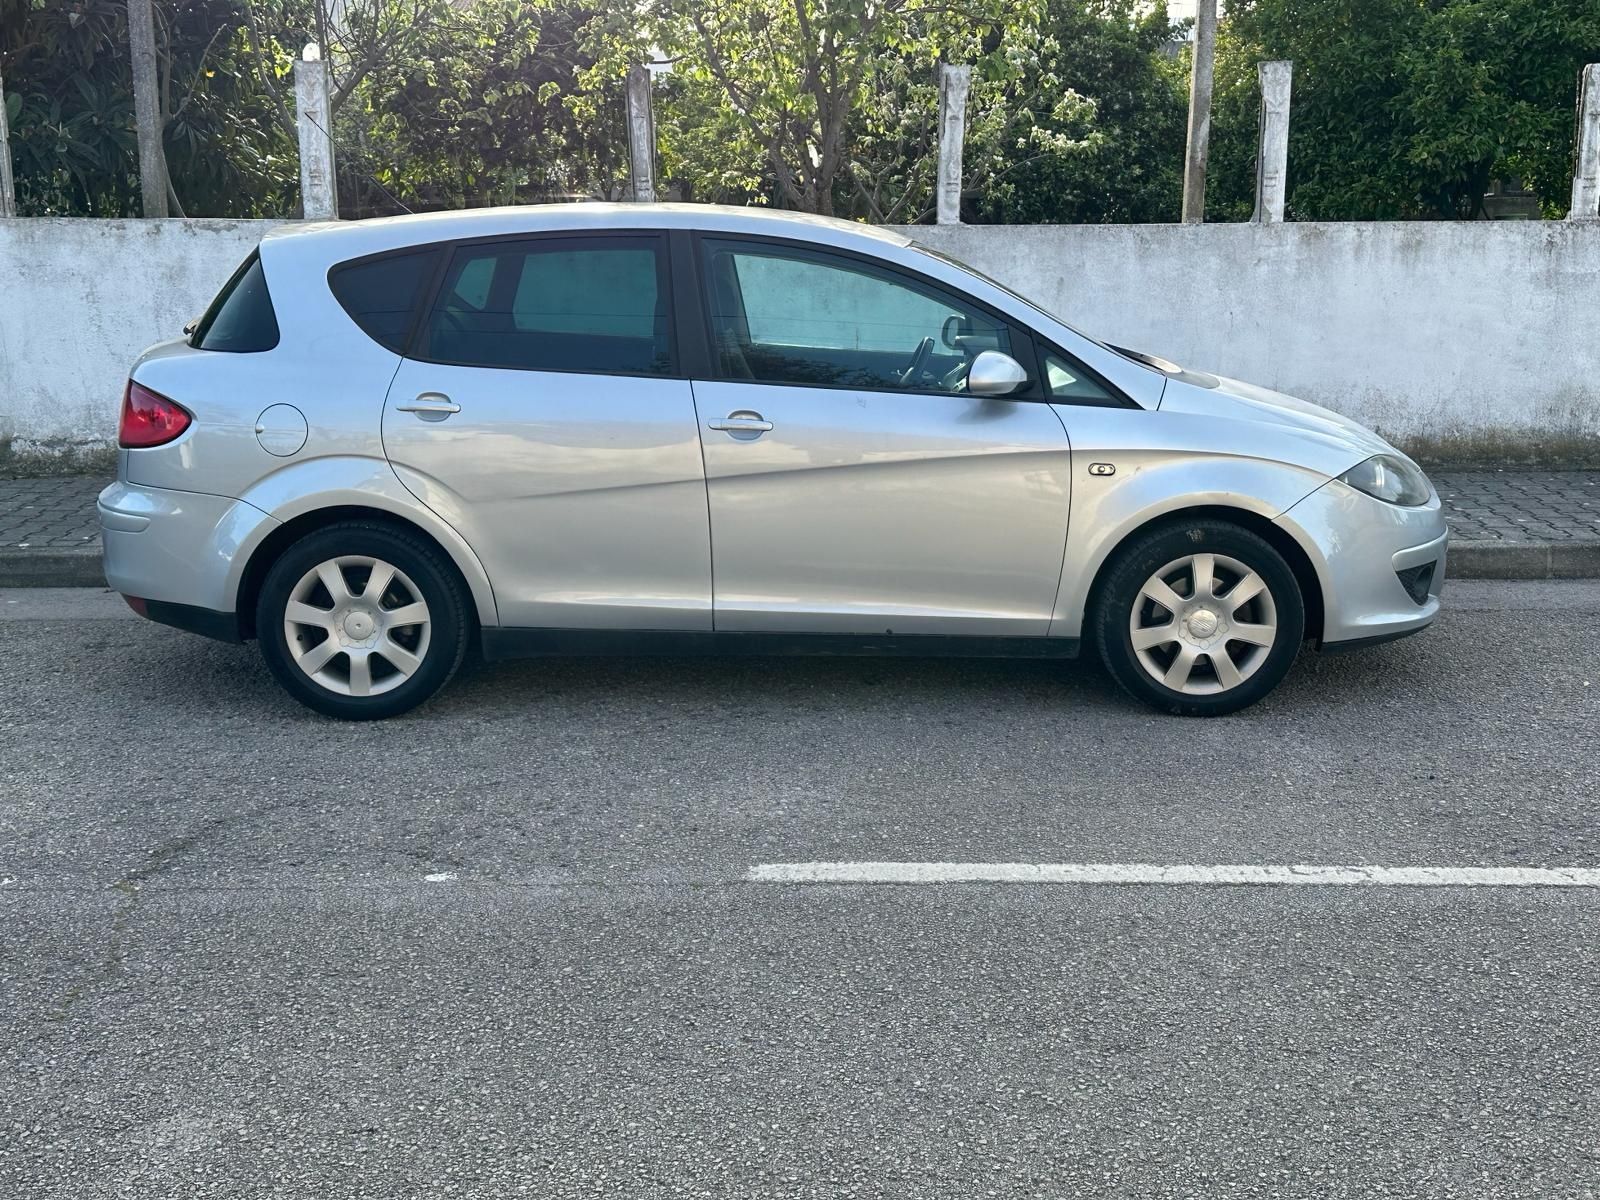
<point x="1404" y="108"/>
<point x="70" y="107"/>
<point x="804" y="81"/>
<point x="508" y="101"/>
<point x="1095" y="131"/>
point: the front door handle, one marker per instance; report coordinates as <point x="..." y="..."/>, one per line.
<point x="743" y="421"/>
<point x="430" y="406"/>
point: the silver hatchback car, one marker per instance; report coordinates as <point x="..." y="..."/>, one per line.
<point x="630" y="429"/>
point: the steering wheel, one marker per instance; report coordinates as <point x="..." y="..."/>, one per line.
<point x="919" y="362"/>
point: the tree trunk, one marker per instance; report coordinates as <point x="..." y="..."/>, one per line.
<point x="147" y="107"/>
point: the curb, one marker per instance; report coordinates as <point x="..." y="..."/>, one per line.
<point x="1467" y="560"/>
<point x="1524" y="560"/>
<point x="51" y="568"/>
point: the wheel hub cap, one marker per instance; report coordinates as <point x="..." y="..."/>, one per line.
<point x="1203" y="623"/>
<point x="359" y="626"/>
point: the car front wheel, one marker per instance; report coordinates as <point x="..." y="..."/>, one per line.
<point x="1199" y="618"/>
<point x="362" y="621"/>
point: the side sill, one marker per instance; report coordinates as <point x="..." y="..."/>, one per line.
<point x="219" y="626"/>
<point x="546" y="643"/>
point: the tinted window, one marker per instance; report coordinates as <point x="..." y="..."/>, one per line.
<point x="594" y="305"/>
<point x="240" y="319"/>
<point x="380" y="294"/>
<point x="797" y="316"/>
<point x="1066" y="380"/>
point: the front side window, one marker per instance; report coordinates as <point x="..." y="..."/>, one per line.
<point x="588" y="306"/>
<point x="1067" y="381"/>
<point x="781" y="315"/>
<point x="241" y="319"/>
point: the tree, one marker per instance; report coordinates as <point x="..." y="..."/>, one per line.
<point x="1405" y="108"/>
<point x="795" y="73"/>
<point x="505" y="101"/>
<point x="70" y="102"/>
<point x="1096" y="132"/>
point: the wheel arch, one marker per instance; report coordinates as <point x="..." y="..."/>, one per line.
<point x="292" y="530"/>
<point x="1275" y="535"/>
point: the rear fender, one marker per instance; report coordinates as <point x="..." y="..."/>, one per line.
<point x="356" y="482"/>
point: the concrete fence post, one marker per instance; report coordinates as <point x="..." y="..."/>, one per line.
<point x="1586" y="178"/>
<point x="954" y="83"/>
<point x="1272" y="151"/>
<point x="319" y="180"/>
<point x="1198" y="141"/>
<point x="641" y="137"/>
<point x="8" y="185"/>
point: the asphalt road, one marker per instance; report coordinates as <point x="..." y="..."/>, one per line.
<point x="505" y="945"/>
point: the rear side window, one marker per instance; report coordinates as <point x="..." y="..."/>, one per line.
<point x="381" y="294"/>
<point x="240" y="320"/>
<point x="584" y="305"/>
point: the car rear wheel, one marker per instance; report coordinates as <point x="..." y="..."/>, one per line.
<point x="362" y="621"/>
<point x="1199" y="618"/>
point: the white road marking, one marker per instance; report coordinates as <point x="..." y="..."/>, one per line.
<point x="440" y="877"/>
<point x="1293" y="875"/>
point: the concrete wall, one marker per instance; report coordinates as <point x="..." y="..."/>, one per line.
<point x="1464" y="342"/>
<point x="79" y="299"/>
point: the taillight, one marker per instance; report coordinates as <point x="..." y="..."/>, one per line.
<point x="149" y="419"/>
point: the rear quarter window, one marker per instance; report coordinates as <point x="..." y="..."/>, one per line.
<point x="241" y="319"/>
<point x="381" y="294"/>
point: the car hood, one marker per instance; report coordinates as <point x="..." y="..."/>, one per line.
<point x="1285" y="427"/>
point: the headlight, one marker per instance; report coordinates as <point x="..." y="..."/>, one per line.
<point x="1391" y="478"/>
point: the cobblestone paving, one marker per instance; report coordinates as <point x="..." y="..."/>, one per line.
<point x="49" y="514"/>
<point x="1521" y="506"/>
<point x="1483" y="506"/>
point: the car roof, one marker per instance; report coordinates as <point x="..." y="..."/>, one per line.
<point x="333" y="241"/>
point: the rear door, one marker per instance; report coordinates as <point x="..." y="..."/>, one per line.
<point x="542" y="413"/>
<point x="855" y="488"/>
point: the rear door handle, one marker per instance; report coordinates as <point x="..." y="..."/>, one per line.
<point x="430" y="406"/>
<point x="743" y="421"/>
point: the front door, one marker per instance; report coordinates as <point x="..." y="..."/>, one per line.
<point x="855" y="488"/>
<point x="543" y="419"/>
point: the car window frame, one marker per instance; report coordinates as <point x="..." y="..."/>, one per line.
<point x="202" y="327"/>
<point x="420" y="304"/>
<point x="1020" y="337"/>
<point x="1027" y="346"/>
<point x="417" y="342"/>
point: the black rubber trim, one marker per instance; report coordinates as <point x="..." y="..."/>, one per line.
<point x="544" y="643"/>
<point x="207" y="622"/>
<point x="1376" y="639"/>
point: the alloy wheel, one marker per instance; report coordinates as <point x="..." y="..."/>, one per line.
<point x="1203" y="624"/>
<point x="357" y="625"/>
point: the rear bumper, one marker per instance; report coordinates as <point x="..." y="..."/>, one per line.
<point x="223" y="626"/>
<point x="1360" y="546"/>
<point x="178" y="550"/>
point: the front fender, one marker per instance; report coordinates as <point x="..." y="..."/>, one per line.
<point x="305" y="487"/>
<point x="1152" y="484"/>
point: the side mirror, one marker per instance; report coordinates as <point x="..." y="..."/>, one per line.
<point x="995" y="374"/>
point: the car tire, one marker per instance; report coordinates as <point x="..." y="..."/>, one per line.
<point x="356" y="655"/>
<point x="1209" y="649"/>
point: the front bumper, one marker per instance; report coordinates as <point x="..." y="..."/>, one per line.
<point x="1360" y="547"/>
<point x="177" y="549"/>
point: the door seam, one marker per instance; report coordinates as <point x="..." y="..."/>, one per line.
<point x="705" y="479"/>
